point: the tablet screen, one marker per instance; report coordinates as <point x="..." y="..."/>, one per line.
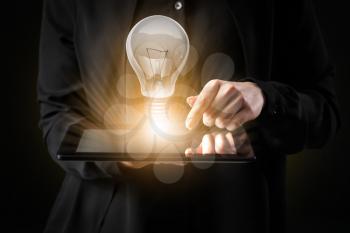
<point x="162" y="136"/>
<point x="119" y="145"/>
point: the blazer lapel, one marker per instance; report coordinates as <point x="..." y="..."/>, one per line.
<point x="122" y="24"/>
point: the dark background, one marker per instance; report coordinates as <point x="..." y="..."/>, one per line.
<point x="318" y="180"/>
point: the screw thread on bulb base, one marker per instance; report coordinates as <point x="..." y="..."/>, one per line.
<point x="158" y="114"/>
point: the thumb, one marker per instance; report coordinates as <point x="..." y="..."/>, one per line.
<point x="191" y="100"/>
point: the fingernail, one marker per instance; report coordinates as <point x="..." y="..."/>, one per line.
<point x="188" y="152"/>
<point x="189" y="101"/>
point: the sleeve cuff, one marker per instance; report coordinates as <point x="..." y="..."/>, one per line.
<point x="272" y="107"/>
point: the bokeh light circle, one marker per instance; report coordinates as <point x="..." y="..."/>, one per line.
<point x="169" y="172"/>
<point x="217" y="66"/>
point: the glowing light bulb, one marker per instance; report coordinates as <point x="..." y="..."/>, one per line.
<point x="157" y="48"/>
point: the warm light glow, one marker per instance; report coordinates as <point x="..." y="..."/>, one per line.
<point x="159" y="115"/>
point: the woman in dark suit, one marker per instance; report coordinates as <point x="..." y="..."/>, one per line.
<point x="282" y="94"/>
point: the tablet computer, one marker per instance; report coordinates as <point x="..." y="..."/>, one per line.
<point x="123" y="145"/>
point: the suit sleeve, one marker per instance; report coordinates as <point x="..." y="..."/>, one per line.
<point x="300" y="109"/>
<point x="61" y="93"/>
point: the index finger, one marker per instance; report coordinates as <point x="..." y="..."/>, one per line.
<point x="203" y="101"/>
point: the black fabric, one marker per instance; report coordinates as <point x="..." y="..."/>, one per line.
<point x="223" y="198"/>
<point x="82" y="56"/>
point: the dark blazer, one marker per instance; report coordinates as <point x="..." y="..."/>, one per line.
<point x="81" y="57"/>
